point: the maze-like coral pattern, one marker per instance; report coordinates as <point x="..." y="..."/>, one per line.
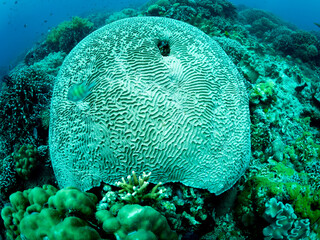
<point x="182" y="115"/>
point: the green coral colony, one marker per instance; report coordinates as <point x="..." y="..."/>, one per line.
<point x="239" y="82"/>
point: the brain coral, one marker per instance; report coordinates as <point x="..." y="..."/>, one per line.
<point x="149" y="94"/>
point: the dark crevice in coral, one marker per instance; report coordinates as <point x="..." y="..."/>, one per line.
<point x="164" y="48"/>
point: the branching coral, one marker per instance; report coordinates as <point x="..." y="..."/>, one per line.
<point x="184" y="207"/>
<point x="135" y="190"/>
<point x="26" y="93"/>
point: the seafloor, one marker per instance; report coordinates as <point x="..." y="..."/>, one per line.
<point x="277" y="198"/>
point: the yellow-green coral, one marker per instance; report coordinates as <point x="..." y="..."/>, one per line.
<point x="302" y="150"/>
<point x="67" y="34"/>
<point x="284" y="183"/>
<point x="76" y="23"/>
<point x="262" y="92"/>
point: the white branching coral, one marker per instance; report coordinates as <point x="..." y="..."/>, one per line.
<point x="135" y="189"/>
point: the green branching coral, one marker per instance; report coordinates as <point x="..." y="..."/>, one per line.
<point x="25" y="160"/>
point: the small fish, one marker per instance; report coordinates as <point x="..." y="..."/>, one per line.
<point x="45" y="21"/>
<point x="25" y="25"/>
<point x="15" y="2"/>
<point x="79" y="91"/>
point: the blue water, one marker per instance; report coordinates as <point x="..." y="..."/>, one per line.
<point x="301" y="13"/>
<point x="23" y="22"/>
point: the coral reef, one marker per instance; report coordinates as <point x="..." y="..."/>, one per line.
<point x="277" y="197"/>
<point x="125" y="13"/>
<point x="284" y="37"/>
<point x="23" y="204"/>
<point x="22" y="98"/>
<point x="284" y="183"/>
<point x="211" y="16"/>
<point x="66" y="36"/>
<point x="60" y="40"/>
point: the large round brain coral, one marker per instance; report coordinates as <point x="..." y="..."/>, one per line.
<point x="149" y="94"/>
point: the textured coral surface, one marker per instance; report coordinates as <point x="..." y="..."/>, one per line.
<point x="157" y="95"/>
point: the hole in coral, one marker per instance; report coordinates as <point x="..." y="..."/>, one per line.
<point x="164" y="48"/>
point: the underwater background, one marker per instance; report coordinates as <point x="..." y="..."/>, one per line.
<point x="275" y="46"/>
<point x="22" y="26"/>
